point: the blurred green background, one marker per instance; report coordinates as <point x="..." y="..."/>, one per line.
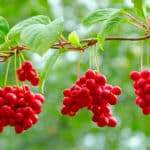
<point x="57" y="132"/>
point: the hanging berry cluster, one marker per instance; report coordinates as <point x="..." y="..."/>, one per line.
<point x="27" y="72"/>
<point x="19" y="106"/>
<point x="93" y="92"/>
<point x="142" y="89"/>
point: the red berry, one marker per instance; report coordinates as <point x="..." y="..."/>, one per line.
<point x="147" y="88"/>
<point x="146" y="110"/>
<point x="90" y="83"/>
<point x="35" y="81"/>
<point x="2" y="101"/>
<point x="113" y="100"/>
<point x="12" y="121"/>
<point x="11" y="98"/>
<point x="116" y="90"/>
<point x="27" y="65"/>
<point x="19" y="128"/>
<point x="64" y="110"/>
<point x="19" y="117"/>
<point x="145" y="73"/>
<point x="96" y="109"/>
<point x="39" y="97"/>
<point x="6" y="111"/>
<point x="112" y="122"/>
<point x="101" y="80"/>
<point x="67" y="92"/>
<point x="90" y="74"/>
<point x="103" y="121"/>
<point x="36" y="104"/>
<point x="4" y="121"/>
<point x="34" y="118"/>
<point x="82" y="80"/>
<point x="1" y="129"/>
<point x="141" y="83"/>
<point x="95" y="118"/>
<point x="27" y="123"/>
<point x="67" y="101"/>
<point x="134" y="75"/>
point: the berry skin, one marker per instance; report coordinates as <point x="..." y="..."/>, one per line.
<point x="35" y="81"/>
<point x="90" y="74"/>
<point x="64" y="110"/>
<point x="101" y="80"/>
<point x="146" y="110"/>
<point x="11" y="98"/>
<point x="91" y="91"/>
<point x="27" y="65"/>
<point x="116" y="90"/>
<point x="34" y="118"/>
<point x="39" y="97"/>
<point x="19" y="117"/>
<point x="112" y="122"/>
<point x="19" y="129"/>
<point x="145" y="73"/>
<point x="134" y="75"/>
<point x="1" y="129"/>
<point x="2" y="101"/>
<point x="67" y="92"/>
<point x="27" y="123"/>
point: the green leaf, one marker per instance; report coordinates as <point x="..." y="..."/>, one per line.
<point x="109" y="25"/>
<point x="39" y="37"/>
<point x="74" y="39"/>
<point x="18" y="28"/>
<point x="51" y="59"/>
<point x="4" y="26"/>
<point x="99" y="15"/>
<point x="8" y="44"/>
<point x="140" y="7"/>
<point x="2" y="37"/>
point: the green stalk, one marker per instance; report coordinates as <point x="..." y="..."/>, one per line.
<point x="7" y="71"/>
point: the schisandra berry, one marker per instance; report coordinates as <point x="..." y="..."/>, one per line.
<point x="142" y="89"/>
<point x="93" y="92"/>
<point x="19" y="107"/>
<point x="27" y="72"/>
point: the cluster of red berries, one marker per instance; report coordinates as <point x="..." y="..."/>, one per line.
<point x="19" y="107"/>
<point x="93" y="92"/>
<point x="142" y="89"/>
<point x="27" y="72"/>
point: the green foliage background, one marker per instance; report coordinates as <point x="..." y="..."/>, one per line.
<point x="57" y="132"/>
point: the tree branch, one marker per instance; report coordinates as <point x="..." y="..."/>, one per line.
<point x="90" y="42"/>
<point x="86" y="43"/>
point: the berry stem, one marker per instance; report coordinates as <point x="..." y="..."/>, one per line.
<point x="90" y="60"/>
<point x="78" y="65"/>
<point x="15" y="67"/>
<point x="22" y="57"/>
<point x="141" y="56"/>
<point x="95" y="58"/>
<point x="147" y="53"/>
<point x="20" y="61"/>
<point x="7" y="71"/>
<point x="97" y="62"/>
